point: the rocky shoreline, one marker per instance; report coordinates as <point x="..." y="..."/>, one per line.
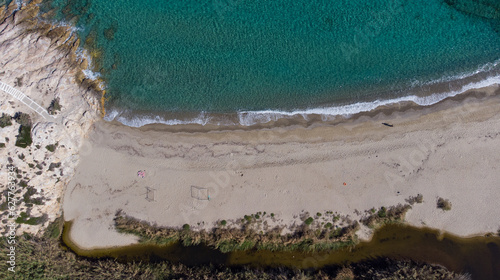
<point x="40" y="60"/>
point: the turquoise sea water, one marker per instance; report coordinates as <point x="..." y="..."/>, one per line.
<point x="223" y="56"/>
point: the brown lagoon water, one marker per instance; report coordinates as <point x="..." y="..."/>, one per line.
<point x="477" y="256"/>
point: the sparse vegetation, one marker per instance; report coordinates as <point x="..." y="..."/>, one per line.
<point x="2" y="145"/>
<point x="27" y="197"/>
<point x="54" y="165"/>
<point x="394" y="214"/>
<point x="5" y="120"/>
<point x="24" y="218"/>
<point x="23" y="119"/>
<point x="419" y="198"/>
<point x="444" y="204"/>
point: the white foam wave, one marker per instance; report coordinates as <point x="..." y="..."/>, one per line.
<point x="248" y="118"/>
<point x="138" y="121"/>
<point x="82" y="54"/>
<point x="481" y="69"/>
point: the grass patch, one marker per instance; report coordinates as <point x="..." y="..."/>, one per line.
<point x="23" y="139"/>
<point x="54" y="229"/>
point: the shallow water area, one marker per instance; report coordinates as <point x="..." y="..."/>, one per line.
<point x="187" y="57"/>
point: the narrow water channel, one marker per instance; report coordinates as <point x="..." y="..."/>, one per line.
<point x="478" y="256"/>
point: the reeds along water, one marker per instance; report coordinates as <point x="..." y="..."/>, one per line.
<point x="477" y="256"/>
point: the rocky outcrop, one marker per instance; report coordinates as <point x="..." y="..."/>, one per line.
<point x="40" y="60"/>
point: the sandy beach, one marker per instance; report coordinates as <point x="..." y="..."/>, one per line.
<point x="449" y="150"/>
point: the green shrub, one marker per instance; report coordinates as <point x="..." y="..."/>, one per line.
<point x="185" y="227"/>
<point x="2" y="145"/>
<point x="328" y="225"/>
<point x="5" y="120"/>
<point x="382" y="212"/>
<point x="318" y="214"/>
<point x="223" y="222"/>
<point x="309" y="221"/>
<point x="51" y="147"/>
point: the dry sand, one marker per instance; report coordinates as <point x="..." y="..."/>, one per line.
<point x="449" y="150"/>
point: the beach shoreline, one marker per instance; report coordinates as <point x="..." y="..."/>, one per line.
<point x="447" y="150"/>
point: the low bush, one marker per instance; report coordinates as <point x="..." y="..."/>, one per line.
<point x="51" y="148"/>
<point x="419" y="198"/>
<point x="54" y="106"/>
<point x="5" y="120"/>
<point x="444" y="204"/>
